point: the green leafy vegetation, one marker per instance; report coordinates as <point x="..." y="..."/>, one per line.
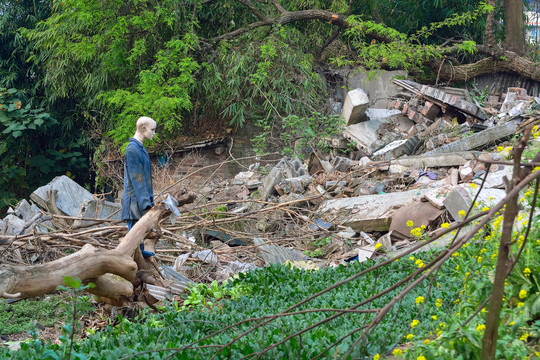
<point x="461" y="333"/>
<point x="38" y="156"/>
<point x="21" y="316"/>
<point x="300" y="136"/>
<point x="271" y="290"/>
<point x="75" y="306"/>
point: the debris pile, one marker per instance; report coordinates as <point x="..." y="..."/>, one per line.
<point x="416" y="166"/>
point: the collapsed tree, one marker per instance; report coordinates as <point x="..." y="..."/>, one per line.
<point x="442" y="60"/>
<point x="237" y="61"/>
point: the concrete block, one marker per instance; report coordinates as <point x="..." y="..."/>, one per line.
<point x="355" y="106"/>
<point x="342" y="164"/>
<point x="461" y="197"/>
<point x="368" y="212"/>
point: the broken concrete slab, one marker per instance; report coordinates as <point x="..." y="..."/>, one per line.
<point x="368" y="212"/>
<point x="12" y="225"/>
<point x="295" y="185"/>
<point x="460" y="199"/>
<point x="491" y="135"/>
<point x="495" y="180"/>
<point x="391" y="151"/>
<point x="355" y="106"/>
<point x="365" y="133"/>
<point x="436" y="196"/>
<point x="69" y="195"/>
<point x="269" y="182"/>
<point x="94" y="209"/>
<point x="433" y="161"/>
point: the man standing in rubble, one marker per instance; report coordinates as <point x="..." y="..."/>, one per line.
<point x="138" y="195"/>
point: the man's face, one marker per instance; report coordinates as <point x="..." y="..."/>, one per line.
<point x="150" y="131"/>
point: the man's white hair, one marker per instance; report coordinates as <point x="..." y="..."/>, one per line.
<point x="145" y="121"/>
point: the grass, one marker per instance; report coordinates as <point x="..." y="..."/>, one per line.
<point x="21" y="316"/>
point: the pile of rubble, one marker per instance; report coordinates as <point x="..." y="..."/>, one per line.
<point x="418" y="162"/>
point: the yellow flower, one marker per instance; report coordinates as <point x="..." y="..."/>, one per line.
<point x="445" y="225"/>
<point x="410" y="223"/>
<point x="426" y="341"/>
<point x="416" y="232"/>
<point x="461" y="213"/>
<point x="409" y="336"/>
<point x="434" y="317"/>
<point x="377" y="356"/>
<point x="512" y="323"/>
<point x="397" y="352"/>
<point x="472" y="185"/>
<point x="421" y="358"/>
<point x="438" y="302"/>
<point x="524" y="337"/>
<point x="378" y="245"/>
<point x="522" y="294"/>
<point x="419" y="300"/>
<point x="527" y="272"/>
<point x="414" y="323"/>
<point x="442" y="325"/>
<point x="500" y="148"/>
<point x="479" y="259"/>
<point x="520" y="304"/>
<point x="485" y="208"/>
<point x="480" y="327"/>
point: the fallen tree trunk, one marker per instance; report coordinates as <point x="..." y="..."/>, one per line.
<point x="498" y="61"/>
<point x="90" y="264"/>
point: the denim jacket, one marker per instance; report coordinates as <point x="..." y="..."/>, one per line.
<point x="138" y="193"/>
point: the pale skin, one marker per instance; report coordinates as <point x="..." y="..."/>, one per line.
<point x="146" y="129"/>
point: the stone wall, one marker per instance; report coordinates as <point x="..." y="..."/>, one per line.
<point x="377" y="85"/>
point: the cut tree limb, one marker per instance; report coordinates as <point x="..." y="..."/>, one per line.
<point x="89" y="264"/>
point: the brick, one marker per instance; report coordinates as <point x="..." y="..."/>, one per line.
<point x="430" y="110"/>
<point x="493" y="99"/>
<point x="405" y="109"/>
<point x="411" y="113"/>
